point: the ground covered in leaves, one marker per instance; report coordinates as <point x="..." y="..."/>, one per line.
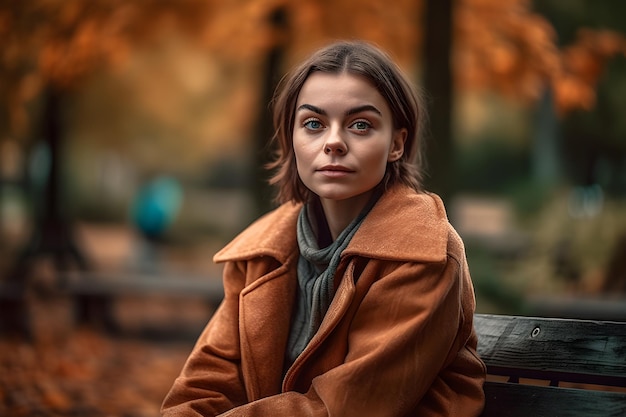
<point x="87" y="373"/>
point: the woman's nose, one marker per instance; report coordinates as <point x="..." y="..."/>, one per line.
<point x="335" y="145"/>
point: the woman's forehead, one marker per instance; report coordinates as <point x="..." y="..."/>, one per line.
<point x="343" y="89"/>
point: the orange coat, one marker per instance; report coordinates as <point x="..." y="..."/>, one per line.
<point x="399" y="342"/>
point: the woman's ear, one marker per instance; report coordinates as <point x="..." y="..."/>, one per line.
<point x="396" y="150"/>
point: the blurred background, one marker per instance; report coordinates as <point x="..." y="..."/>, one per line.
<point x="132" y="136"/>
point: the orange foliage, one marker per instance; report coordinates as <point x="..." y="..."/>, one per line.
<point x="505" y="46"/>
<point x="64" y="40"/>
<point x="240" y="30"/>
<point x="58" y="42"/>
<point x="582" y="66"/>
<point x="392" y="25"/>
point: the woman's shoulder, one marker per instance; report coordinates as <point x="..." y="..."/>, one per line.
<point x="405" y="225"/>
<point x="273" y="234"/>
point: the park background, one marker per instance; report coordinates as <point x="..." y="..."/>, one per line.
<point x="132" y="135"/>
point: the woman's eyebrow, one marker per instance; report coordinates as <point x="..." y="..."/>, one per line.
<point x="350" y="112"/>
<point x="313" y="108"/>
<point x="365" y="107"/>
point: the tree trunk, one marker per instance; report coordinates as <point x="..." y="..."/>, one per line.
<point x="441" y="152"/>
<point x="52" y="232"/>
<point x="273" y="70"/>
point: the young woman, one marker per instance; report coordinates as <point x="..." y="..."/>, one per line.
<point x="353" y="298"/>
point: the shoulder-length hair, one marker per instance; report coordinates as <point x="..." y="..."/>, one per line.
<point x="361" y="59"/>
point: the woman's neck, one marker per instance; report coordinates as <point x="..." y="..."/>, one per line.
<point x="340" y="213"/>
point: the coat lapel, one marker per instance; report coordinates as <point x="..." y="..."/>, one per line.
<point x="269" y="249"/>
<point x="265" y="313"/>
<point x="336" y="311"/>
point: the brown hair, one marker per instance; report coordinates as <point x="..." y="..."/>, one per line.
<point x="357" y="58"/>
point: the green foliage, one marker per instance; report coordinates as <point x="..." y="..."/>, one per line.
<point x="567" y="16"/>
<point x="596" y="140"/>
<point x="491" y="167"/>
<point x="529" y="196"/>
<point x="490" y="286"/>
<point x="497" y="167"/>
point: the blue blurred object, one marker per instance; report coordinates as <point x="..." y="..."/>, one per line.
<point x="156" y="206"/>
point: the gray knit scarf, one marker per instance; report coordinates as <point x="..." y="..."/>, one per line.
<point x="316" y="273"/>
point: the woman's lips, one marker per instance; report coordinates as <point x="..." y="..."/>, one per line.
<point x="334" y="171"/>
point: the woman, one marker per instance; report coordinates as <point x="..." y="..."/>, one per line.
<point x="353" y="298"/>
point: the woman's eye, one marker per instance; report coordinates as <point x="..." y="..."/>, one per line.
<point x="361" y="125"/>
<point x="312" y="124"/>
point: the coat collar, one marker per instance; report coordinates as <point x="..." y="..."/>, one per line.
<point x="404" y="226"/>
<point x="271" y="235"/>
<point x="401" y="221"/>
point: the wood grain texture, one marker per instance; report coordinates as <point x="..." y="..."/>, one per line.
<point x="517" y="400"/>
<point x="583" y="351"/>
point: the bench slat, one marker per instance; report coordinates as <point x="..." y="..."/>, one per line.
<point x="125" y="284"/>
<point x="518" y="400"/>
<point x="592" y="352"/>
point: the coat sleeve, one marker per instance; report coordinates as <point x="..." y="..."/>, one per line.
<point x="407" y="328"/>
<point x="211" y="382"/>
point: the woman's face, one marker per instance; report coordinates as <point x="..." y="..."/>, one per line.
<point x="343" y="136"/>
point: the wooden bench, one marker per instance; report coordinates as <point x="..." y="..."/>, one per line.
<point x="552" y="367"/>
<point x="95" y="294"/>
<point x="114" y="283"/>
